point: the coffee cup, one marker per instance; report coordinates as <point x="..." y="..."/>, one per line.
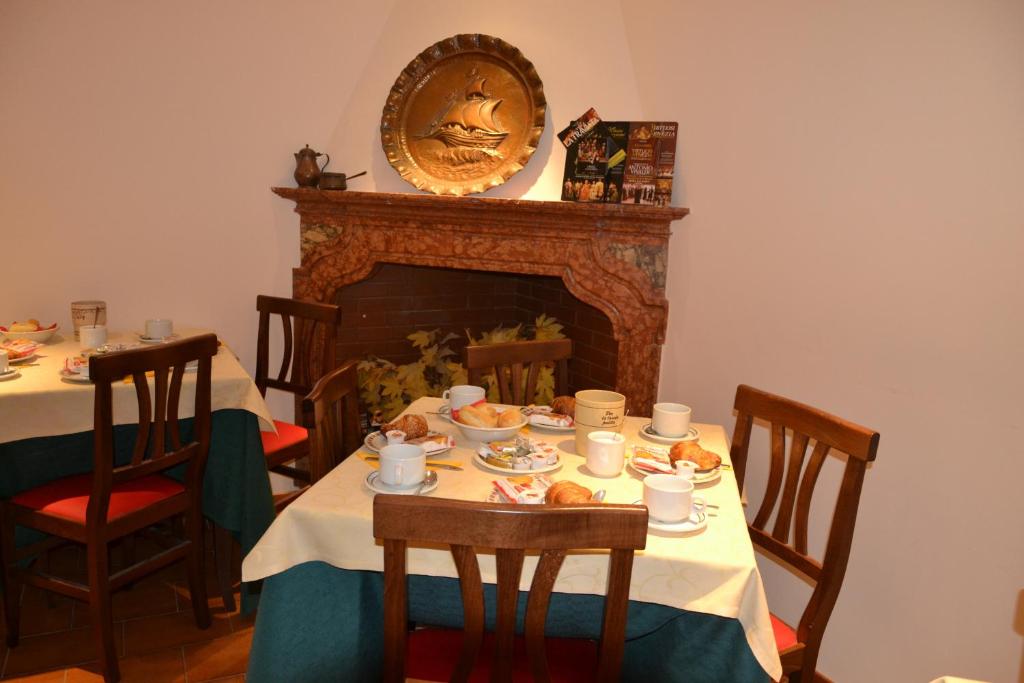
<point x="686" y="469"/>
<point x="3" y="361"/>
<point x="597" y="410"/>
<point x="462" y="395"/>
<point x="671" y="419"/>
<point x="159" y="328"/>
<point x="670" y="498"/>
<point x="606" y="453"/>
<point x="92" y="336"/>
<point x="403" y="465"/>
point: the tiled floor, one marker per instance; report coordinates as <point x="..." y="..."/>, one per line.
<point x="155" y="631"/>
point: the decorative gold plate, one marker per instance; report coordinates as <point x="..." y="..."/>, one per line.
<point x="464" y="115"/>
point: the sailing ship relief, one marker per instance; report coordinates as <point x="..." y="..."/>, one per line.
<point x="467" y="126"/>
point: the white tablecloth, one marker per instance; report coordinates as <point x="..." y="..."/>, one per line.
<point x="40" y="403"/>
<point x="712" y="571"/>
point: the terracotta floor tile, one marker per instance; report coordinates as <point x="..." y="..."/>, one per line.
<point x="149" y="597"/>
<point x="165" y="666"/>
<point x="161" y="632"/>
<point x="56" y="676"/>
<point x="218" y="658"/>
<point x="38" y="617"/>
<point x="39" y="653"/>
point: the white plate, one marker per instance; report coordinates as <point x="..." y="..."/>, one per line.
<point x="698" y="478"/>
<point x="19" y="361"/>
<point x="647" y="431"/>
<point x="10" y="373"/>
<point x="547" y="428"/>
<point x="685" y="526"/>
<point x="154" y="340"/>
<point x="73" y="377"/>
<point x="376" y="441"/>
<point x="380" y="487"/>
<point x="494" y="468"/>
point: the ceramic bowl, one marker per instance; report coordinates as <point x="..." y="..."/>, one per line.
<point x="40" y="336"/>
<point x="490" y="433"/>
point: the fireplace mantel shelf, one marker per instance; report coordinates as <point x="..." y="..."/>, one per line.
<point x="611" y="256"/>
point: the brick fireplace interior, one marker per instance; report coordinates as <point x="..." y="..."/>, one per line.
<point x="396" y="300"/>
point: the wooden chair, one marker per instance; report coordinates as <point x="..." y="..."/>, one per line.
<point x="310" y="333"/>
<point x="799" y="647"/>
<point x="116" y="500"/>
<point x="336" y="432"/>
<point x="510" y="529"/>
<point x="510" y="360"/>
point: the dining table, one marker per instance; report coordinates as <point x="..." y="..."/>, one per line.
<point x="46" y="432"/>
<point x="697" y="609"/>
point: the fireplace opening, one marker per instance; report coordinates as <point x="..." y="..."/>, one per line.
<point x="379" y="313"/>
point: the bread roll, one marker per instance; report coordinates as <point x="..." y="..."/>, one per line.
<point x="568" y="493"/>
<point x="478" y="417"/>
<point x="566" y="405"/>
<point x="24" y="327"/>
<point x="510" y="418"/>
<point x="414" y="426"/>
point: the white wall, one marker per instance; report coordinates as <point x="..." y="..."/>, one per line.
<point x="853" y="170"/>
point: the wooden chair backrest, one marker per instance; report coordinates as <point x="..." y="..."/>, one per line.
<point x="512" y="359"/>
<point x="159" y="425"/>
<point x="336" y="430"/>
<point x="828" y="432"/>
<point x="510" y="529"/>
<point x="310" y="334"/>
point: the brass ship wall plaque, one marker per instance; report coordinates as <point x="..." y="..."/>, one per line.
<point x="465" y="115"/>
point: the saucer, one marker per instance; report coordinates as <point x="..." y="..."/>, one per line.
<point x="73" y="377"/>
<point x="685" y="526"/>
<point x="156" y="340"/>
<point x="9" y="373"/>
<point x="648" y="433"/>
<point x="23" y="359"/>
<point x="381" y="487"/>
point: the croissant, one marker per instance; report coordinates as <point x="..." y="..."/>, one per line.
<point x="568" y="492"/>
<point x="566" y="405"/>
<point x="691" y="450"/>
<point x="414" y="426"/>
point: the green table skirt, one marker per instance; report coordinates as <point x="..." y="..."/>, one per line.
<point x="236" y="487"/>
<point x="320" y="623"/>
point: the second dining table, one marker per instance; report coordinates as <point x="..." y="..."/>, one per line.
<point x="697" y="608"/>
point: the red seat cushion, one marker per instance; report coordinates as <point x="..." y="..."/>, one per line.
<point x="785" y="635"/>
<point x="433" y="652"/>
<point x="287" y="435"/>
<point x="69" y="497"/>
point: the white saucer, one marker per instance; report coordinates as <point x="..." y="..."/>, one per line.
<point x="685" y="526"/>
<point x="380" y="487"/>
<point x="156" y="340"/>
<point x="376" y="441"/>
<point x="73" y="377"/>
<point x="10" y="373"/>
<point x="647" y="431"/>
<point x="24" y="359"/>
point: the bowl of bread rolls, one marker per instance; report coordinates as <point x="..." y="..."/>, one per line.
<point x="29" y="329"/>
<point x="484" y="422"/>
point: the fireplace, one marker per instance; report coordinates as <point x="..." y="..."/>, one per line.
<point x="608" y="259"/>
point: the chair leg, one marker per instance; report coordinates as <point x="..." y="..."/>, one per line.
<point x="12" y="585"/>
<point x="100" y="609"/>
<point x="222" y="553"/>
<point x="196" y="575"/>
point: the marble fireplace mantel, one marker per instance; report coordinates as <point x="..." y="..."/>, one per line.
<point x="611" y="256"/>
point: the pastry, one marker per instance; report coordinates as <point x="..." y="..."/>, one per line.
<point x="510" y="418"/>
<point x="414" y="426"/>
<point x="568" y="493"/>
<point x="482" y="416"/>
<point x="566" y="405"/>
<point x="691" y="450"/>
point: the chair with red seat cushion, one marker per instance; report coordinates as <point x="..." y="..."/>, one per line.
<point x="117" y="500"/>
<point x="799" y="648"/>
<point x="510" y="530"/>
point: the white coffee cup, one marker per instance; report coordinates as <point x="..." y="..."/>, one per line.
<point x="686" y="469"/>
<point x="462" y="395"/>
<point x="606" y="453"/>
<point x="92" y="336"/>
<point x="403" y="465"/>
<point x="3" y="361"/>
<point x="671" y="419"/>
<point x="159" y="328"/>
<point x="670" y="498"/>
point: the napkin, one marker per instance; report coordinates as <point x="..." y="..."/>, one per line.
<point x="545" y="417"/>
<point x="433" y="443"/>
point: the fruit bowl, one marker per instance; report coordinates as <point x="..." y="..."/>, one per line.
<point x="41" y="335"/>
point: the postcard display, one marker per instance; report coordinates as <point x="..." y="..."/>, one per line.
<point x="620" y="162"/>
